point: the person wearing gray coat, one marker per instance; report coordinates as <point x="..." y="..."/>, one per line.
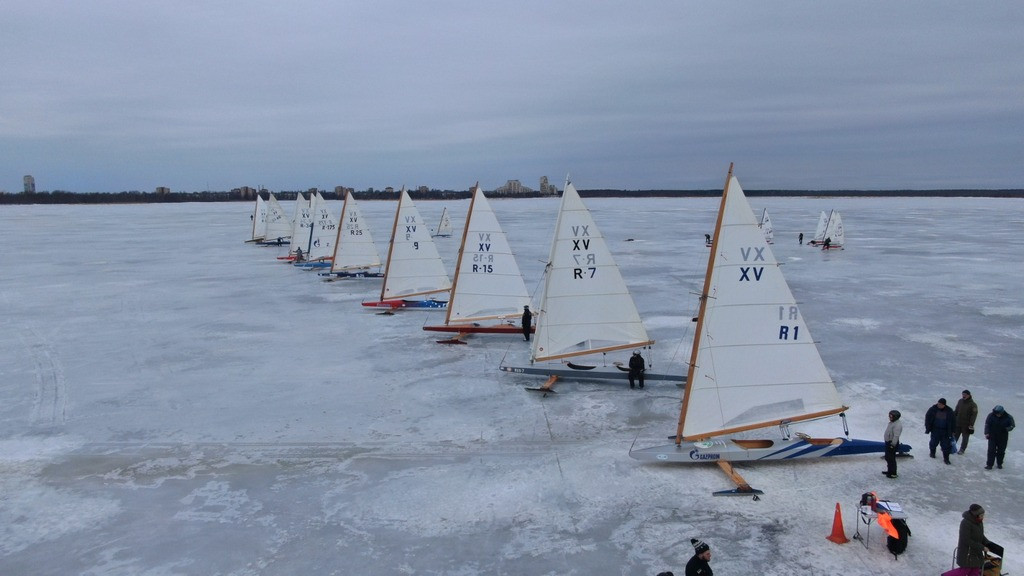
<point x="892" y="442"/>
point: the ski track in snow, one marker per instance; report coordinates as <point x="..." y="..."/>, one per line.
<point x="50" y="403"/>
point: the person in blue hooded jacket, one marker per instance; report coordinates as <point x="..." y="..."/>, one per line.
<point x="998" y="426"/>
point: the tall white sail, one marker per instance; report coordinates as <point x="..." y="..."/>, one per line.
<point x="766" y="226"/>
<point x="834" y="230"/>
<point x="302" y="222"/>
<point x="586" y="307"/>
<point x="259" y="219"/>
<point x="487" y="284"/>
<point x="444" y="226"/>
<point x="278" y="226"/>
<point x="754" y="363"/>
<point x="819" y="230"/>
<point x="353" y="248"/>
<point x="324" y="230"/>
<point x="414" y="268"/>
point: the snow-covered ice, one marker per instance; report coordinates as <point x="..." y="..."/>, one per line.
<point x="174" y="401"/>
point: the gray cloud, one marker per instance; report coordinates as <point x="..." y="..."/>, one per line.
<point x="191" y="95"/>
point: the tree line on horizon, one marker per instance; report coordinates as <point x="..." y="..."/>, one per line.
<point x="137" y="197"/>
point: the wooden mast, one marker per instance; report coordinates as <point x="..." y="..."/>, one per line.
<point x="700" y="314"/>
<point x="462" y="248"/>
<point x="391" y="245"/>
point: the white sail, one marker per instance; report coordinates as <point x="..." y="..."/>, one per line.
<point x="754" y="363"/>
<point x="444" y="226"/>
<point x="279" y="226"/>
<point x="414" y="267"/>
<point x="819" y="230"/>
<point x="487" y="284"/>
<point x="834" y="232"/>
<point x="323" y="232"/>
<point x="766" y="226"/>
<point x="259" y="219"/>
<point x="302" y="221"/>
<point x="353" y="248"/>
<point x="586" y="307"/>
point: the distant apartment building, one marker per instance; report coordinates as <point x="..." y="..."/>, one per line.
<point x="245" y="192"/>
<point x="515" y="187"/>
<point x="30" y="184"/>
<point x="547" y="189"/>
<point x="512" y="188"/>
<point x="162" y="190"/>
<point x="340" y="191"/>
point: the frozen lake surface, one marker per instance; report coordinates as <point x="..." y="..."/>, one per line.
<point x="174" y="401"/>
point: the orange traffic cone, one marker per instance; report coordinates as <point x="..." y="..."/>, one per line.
<point x="838" y="535"/>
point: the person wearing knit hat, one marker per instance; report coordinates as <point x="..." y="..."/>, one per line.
<point x="970" y="547"/>
<point x="965" y="413"/>
<point x="939" y="422"/>
<point x="997" y="431"/>
<point x="699" y="563"/>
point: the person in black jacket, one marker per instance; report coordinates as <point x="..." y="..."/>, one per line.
<point x="527" y="322"/>
<point x="699" y="563"/>
<point x="940" y="423"/>
<point x="998" y="425"/>
<point x="636" y="369"/>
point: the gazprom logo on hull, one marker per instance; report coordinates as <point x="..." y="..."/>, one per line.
<point x="697" y="455"/>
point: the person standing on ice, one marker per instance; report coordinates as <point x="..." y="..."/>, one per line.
<point x="636" y="369"/>
<point x="892" y="442"/>
<point x="699" y="563"/>
<point x="939" y="422"/>
<point x="966" y="412"/>
<point x="970" y="546"/>
<point x="998" y="425"/>
<point x="526" y="322"/>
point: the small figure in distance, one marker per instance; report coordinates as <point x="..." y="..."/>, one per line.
<point x="298" y="255"/>
<point x="636" y="369"/>
<point x="801" y="238"/>
<point x="527" y="322"/>
<point x="828" y="243"/>
<point x="707" y="239"/>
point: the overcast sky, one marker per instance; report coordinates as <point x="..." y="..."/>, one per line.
<point x="131" y="95"/>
